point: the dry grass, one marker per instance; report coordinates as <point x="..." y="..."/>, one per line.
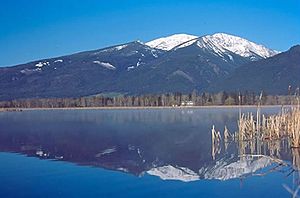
<point x="284" y="124"/>
<point x="272" y="127"/>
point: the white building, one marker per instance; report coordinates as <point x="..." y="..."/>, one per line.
<point x="187" y="103"/>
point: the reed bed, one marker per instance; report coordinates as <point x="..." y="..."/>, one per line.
<point x="281" y="125"/>
<point x="285" y="124"/>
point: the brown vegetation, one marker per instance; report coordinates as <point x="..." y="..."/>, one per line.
<point x="285" y="124"/>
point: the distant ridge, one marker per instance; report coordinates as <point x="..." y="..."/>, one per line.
<point x="273" y="75"/>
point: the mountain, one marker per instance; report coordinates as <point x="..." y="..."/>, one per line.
<point x="220" y="43"/>
<point x="182" y="69"/>
<point x="178" y="63"/>
<point x="273" y="75"/>
<point x="223" y="169"/>
<point x="75" y="75"/>
<point x="232" y="168"/>
<point x="168" y="43"/>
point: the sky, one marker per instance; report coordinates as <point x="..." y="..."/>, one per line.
<point x="35" y="29"/>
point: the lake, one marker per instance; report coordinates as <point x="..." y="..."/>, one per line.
<point x="138" y="153"/>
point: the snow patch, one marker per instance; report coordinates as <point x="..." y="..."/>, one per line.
<point x="139" y="62"/>
<point x="104" y="64"/>
<point x="130" y="68"/>
<point x="106" y="152"/>
<point x="59" y="61"/>
<point x="123" y="169"/>
<point x="42" y="64"/>
<point x="110" y="49"/>
<point x="174" y="173"/>
<point x="135" y="66"/>
<point x="30" y="71"/>
<point x="153" y="52"/>
<point x="120" y="47"/>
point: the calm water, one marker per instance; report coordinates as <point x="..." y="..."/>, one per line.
<point x="137" y="153"/>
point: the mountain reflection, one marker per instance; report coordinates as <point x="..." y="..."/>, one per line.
<point x="169" y="143"/>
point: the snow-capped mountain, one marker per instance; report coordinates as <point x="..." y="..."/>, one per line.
<point x="224" y="170"/>
<point x="220" y="43"/>
<point x="178" y="63"/>
<point x="168" y="43"/>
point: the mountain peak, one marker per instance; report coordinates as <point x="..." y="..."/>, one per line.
<point x="237" y="45"/>
<point x="168" y="43"/>
<point x="295" y="48"/>
<point x="218" y="42"/>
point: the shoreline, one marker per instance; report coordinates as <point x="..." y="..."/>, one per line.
<point x="134" y="108"/>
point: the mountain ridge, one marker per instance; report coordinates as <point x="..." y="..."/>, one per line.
<point x="273" y="75"/>
<point x="132" y="68"/>
<point x="223" y="41"/>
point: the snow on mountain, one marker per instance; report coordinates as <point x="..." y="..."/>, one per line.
<point x="174" y="173"/>
<point x="120" y="47"/>
<point x="168" y="43"/>
<point x="41" y="64"/>
<point x="111" y="49"/>
<point x="224" y="170"/>
<point x="106" y="152"/>
<point x="221" y="43"/>
<point x="58" y="61"/>
<point x="106" y="65"/>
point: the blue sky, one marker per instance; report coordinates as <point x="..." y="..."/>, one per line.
<point x="36" y="29"/>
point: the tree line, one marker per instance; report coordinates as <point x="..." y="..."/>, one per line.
<point x="153" y="100"/>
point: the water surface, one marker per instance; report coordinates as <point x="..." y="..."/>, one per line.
<point x="136" y="153"/>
